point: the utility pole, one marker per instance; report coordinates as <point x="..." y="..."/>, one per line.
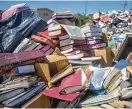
<point x="85" y="7"/>
<point x="125" y="5"/>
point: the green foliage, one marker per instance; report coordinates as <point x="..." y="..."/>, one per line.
<point x="81" y="19"/>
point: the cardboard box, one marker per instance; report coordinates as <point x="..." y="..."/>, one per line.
<point x="57" y="51"/>
<point x="106" y="54"/>
<point x="56" y="63"/>
<point x="40" y="101"/>
<point x="43" y="71"/>
<point x="96" y="15"/>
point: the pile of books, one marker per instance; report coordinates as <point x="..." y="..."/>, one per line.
<point x="64" y="17"/>
<point x="94" y="36"/>
<point x="37" y="42"/>
<point x="25" y="75"/>
<point x="74" y="44"/>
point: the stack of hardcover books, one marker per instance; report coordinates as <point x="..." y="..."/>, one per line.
<point x="94" y="36"/>
<point x="64" y="17"/>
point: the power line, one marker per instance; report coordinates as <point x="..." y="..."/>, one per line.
<point x="85" y="7"/>
<point x="125" y="5"/>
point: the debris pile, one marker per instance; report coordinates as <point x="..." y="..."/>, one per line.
<point x="60" y="65"/>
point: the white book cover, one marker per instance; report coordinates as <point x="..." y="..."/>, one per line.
<point x="65" y="42"/>
<point x="21" y="45"/>
<point x="79" y="62"/>
<point x="93" y="58"/>
<point x="94" y="34"/>
<point x="55" y="27"/>
<point x="90" y="29"/>
<point x="73" y="31"/>
<point x="67" y="51"/>
<point x="72" y="53"/>
<point x="75" y="57"/>
<point x="62" y="13"/>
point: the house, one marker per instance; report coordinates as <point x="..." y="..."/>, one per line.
<point x="45" y="13"/>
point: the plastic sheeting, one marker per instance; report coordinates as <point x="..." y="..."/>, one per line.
<point x="15" y="28"/>
<point x="97" y="79"/>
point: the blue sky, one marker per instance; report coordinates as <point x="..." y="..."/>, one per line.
<point x="74" y="6"/>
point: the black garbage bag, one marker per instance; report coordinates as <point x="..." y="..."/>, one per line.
<point x="15" y="28"/>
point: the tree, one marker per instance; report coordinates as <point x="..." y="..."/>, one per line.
<point x="81" y="19"/>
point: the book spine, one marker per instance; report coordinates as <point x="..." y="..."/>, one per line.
<point x="13" y="65"/>
<point x="93" y="42"/>
<point x="76" y="42"/>
<point x="93" y="38"/>
<point x="82" y="47"/>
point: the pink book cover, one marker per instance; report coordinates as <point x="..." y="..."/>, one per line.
<point x="54" y="93"/>
<point x="45" y="35"/>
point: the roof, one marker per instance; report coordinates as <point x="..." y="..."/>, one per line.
<point x="45" y="9"/>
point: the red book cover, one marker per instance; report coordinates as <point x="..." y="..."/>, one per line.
<point x="43" y="40"/>
<point x="71" y="81"/>
<point x="45" y="35"/>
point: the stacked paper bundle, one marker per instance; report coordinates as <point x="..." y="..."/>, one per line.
<point x="94" y="36"/>
<point x="56" y="31"/>
<point x="64" y="17"/>
<point x="74" y="46"/>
